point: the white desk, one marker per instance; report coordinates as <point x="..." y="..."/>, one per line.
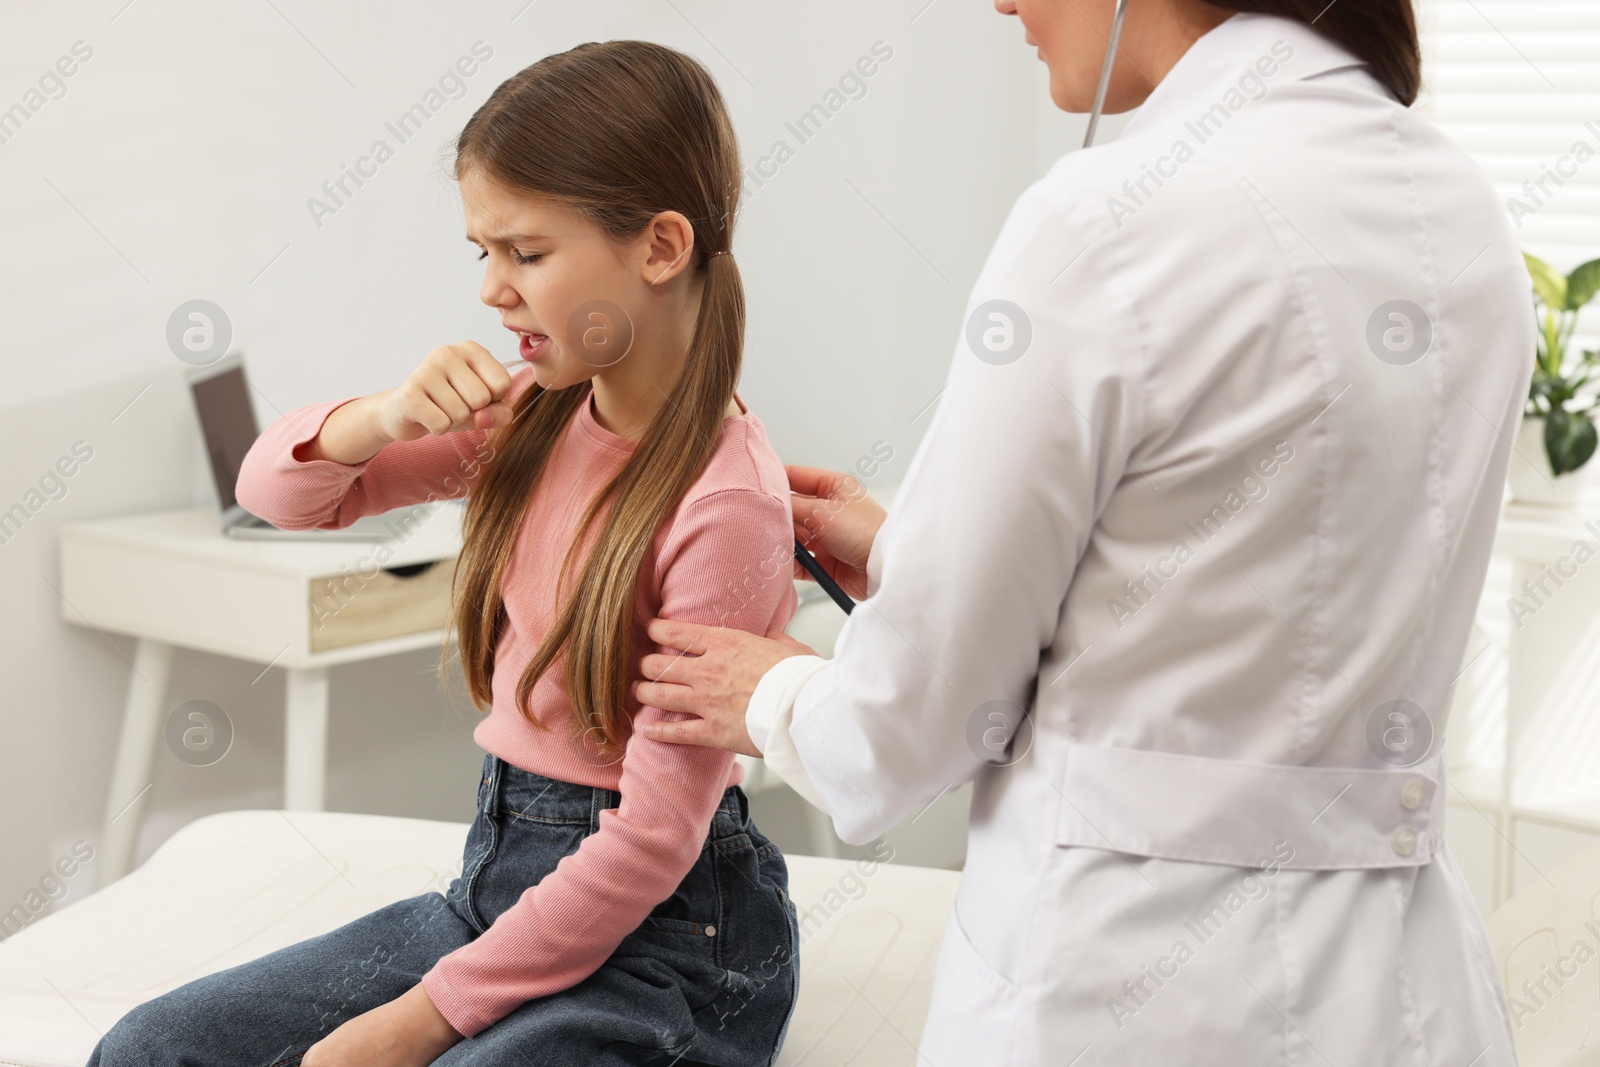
<point x="171" y="578"/>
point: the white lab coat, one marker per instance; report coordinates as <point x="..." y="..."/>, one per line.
<point x="1217" y="514"/>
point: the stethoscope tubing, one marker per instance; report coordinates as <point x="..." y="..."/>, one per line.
<point x="831" y="587"/>
<point x="1105" y="72"/>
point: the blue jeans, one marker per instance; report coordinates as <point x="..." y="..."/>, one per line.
<point x="672" y="993"/>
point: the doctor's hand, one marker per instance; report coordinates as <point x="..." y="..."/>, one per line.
<point x="713" y="677"/>
<point x="408" y="1031"/>
<point x="837" y="522"/>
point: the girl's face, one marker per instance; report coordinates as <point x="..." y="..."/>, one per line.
<point x="572" y="294"/>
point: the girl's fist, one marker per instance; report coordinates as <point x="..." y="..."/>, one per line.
<point x="457" y="387"/>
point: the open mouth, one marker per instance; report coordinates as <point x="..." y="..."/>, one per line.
<point x="529" y="345"/>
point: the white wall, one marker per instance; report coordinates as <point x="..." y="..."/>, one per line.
<point x="177" y="165"/>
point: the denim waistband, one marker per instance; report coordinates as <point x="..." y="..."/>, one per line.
<point x="506" y="787"/>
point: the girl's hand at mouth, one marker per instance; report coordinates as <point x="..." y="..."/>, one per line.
<point x="457" y="387"/>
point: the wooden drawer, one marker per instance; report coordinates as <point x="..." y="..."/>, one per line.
<point x="354" y="608"/>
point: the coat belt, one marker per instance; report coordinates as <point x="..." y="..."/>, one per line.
<point x="1170" y="806"/>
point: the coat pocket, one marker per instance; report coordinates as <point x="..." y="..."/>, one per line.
<point x="972" y="1015"/>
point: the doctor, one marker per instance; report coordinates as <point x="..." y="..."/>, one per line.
<point x="1182" y="573"/>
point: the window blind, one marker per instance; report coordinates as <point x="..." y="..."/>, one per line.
<point x="1516" y="83"/>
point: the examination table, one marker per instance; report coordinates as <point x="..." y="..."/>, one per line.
<point x="229" y="887"/>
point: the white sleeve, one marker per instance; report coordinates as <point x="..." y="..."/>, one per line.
<point x="767" y="719"/>
<point x="968" y="573"/>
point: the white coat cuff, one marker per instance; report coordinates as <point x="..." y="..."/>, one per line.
<point x="875" y="564"/>
<point x="768" y="716"/>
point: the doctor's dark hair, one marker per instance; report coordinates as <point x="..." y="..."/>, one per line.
<point x="1381" y="33"/>
<point x="619" y="132"/>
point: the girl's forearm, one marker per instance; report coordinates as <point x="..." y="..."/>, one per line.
<point x="350" y="434"/>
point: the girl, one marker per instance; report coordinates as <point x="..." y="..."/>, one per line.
<point x="615" y="904"/>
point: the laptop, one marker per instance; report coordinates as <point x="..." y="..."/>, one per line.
<point x="228" y="425"/>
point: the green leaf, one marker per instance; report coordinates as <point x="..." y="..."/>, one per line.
<point x="1569" y="440"/>
<point x="1582" y="284"/>
<point x="1548" y="283"/>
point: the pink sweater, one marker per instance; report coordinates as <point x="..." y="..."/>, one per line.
<point x="722" y="557"/>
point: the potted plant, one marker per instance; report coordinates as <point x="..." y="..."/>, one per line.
<point x="1558" y="431"/>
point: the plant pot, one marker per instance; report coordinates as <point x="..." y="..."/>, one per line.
<point x="1530" y="476"/>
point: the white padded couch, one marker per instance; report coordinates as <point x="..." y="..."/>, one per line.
<point x="229" y="887"/>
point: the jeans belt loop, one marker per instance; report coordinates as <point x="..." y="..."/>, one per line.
<point x="492" y="797"/>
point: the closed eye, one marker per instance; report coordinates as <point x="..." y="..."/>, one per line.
<point x="526" y="261"/>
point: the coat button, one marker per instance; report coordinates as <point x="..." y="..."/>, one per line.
<point x="1405" y="840"/>
<point x="1411" y="795"/>
<point x="711" y="931"/>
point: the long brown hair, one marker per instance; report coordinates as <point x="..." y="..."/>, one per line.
<point x="1381" y="33"/>
<point x="619" y="131"/>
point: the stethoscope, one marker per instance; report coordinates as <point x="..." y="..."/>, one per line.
<point x="807" y="560"/>
<point x="1105" y="71"/>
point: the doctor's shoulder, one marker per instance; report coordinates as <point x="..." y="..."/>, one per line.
<point x="1080" y="184"/>
<point x="1116" y="193"/>
<point x="1075" y="228"/>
